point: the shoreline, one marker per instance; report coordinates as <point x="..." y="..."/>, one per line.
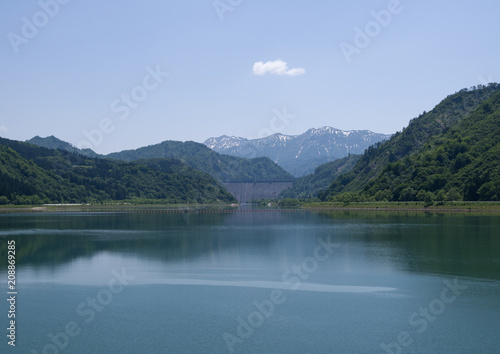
<point x="451" y="207"/>
<point x="417" y="206"/>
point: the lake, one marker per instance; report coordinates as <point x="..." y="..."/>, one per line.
<point x="253" y="282"/>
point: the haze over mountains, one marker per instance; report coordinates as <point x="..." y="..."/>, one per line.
<point x="299" y="154"/>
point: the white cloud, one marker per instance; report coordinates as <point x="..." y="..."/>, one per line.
<point x="3" y="128"/>
<point x="277" y="67"/>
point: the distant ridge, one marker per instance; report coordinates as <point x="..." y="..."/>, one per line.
<point x="299" y="154"/>
<point x="200" y="157"/>
<point x="51" y="142"/>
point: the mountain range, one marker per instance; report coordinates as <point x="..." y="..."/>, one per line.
<point x="299" y="154"/>
<point x="198" y="156"/>
<point x="449" y="153"/>
<point x="190" y="153"/>
<point x="228" y="158"/>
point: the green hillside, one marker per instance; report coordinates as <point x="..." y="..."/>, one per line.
<point x="31" y="174"/>
<point x="450" y="153"/>
<point x="310" y="185"/>
<point x="200" y="157"/>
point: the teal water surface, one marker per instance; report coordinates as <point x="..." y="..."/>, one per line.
<point x="274" y="282"/>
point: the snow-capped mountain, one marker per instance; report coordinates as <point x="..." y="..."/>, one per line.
<point x="299" y="154"/>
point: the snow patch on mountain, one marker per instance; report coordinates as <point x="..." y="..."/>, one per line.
<point x="299" y="154"/>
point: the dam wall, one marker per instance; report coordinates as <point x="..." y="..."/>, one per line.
<point x="247" y="190"/>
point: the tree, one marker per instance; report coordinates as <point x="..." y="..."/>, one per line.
<point x="407" y="194"/>
<point x="441" y="196"/>
<point x="421" y="195"/>
<point x="383" y="196"/>
<point x="489" y="191"/>
<point x="453" y="195"/>
<point x="429" y="199"/>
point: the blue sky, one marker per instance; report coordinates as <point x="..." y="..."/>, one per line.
<point x="82" y="70"/>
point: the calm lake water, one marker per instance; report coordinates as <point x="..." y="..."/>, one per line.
<point x="253" y="282"/>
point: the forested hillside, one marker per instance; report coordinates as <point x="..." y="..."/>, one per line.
<point x="200" y="157"/>
<point x="450" y="153"/>
<point x="310" y="185"/>
<point x="31" y="174"/>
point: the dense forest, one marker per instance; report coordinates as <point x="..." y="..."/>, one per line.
<point x="31" y="174"/>
<point x="450" y="153"/>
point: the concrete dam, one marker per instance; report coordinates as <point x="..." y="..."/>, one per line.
<point x="247" y="190"/>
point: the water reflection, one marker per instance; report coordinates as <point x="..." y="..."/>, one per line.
<point x="193" y="276"/>
<point x="262" y="244"/>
